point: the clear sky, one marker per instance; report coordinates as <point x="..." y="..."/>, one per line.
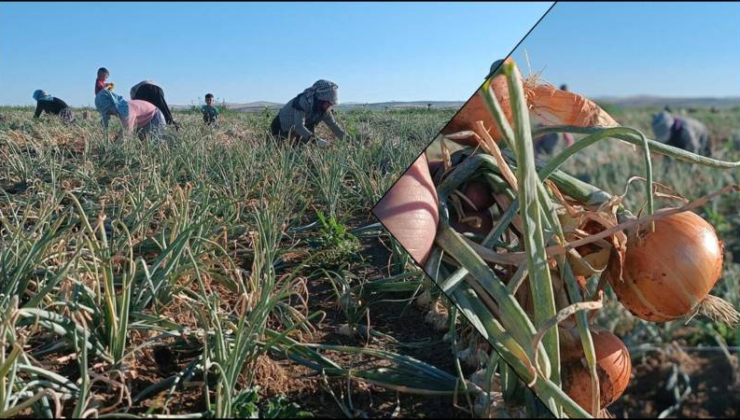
<point x="624" y="49"/>
<point x="244" y="52"/>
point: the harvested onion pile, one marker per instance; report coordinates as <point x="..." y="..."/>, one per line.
<point x="526" y="250"/>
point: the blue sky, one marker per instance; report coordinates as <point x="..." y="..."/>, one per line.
<point x="245" y="52"/>
<point x="624" y="49"/>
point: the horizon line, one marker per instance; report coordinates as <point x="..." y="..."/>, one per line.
<point x="596" y="98"/>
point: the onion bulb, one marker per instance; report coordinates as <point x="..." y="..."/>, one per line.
<point x="478" y="194"/>
<point x="613" y="367"/>
<point x="668" y="273"/>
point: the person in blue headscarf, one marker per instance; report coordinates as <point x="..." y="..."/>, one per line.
<point x="108" y="103"/>
<point x="51" y="105"/>
<point x="135" y="115"/>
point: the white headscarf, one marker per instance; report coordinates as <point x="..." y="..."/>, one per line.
<point x="323" y="90"/>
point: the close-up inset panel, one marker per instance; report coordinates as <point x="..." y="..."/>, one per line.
<point x="586" y="203"/>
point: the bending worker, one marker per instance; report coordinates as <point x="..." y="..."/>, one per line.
<point x="51" y="105"/>
<point x="154" y="94"/>
<point x="299" y="117"/>
<point x="137" y="116"/>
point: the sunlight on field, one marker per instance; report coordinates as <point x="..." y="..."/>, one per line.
<point x="128" y="267"/>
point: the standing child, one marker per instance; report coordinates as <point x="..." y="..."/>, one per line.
<point x="100" y="82"/>
<point x="210" y="112"/>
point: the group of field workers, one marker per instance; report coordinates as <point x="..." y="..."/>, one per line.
<point x="147" y="112"/>
<point x="148" y="115"/>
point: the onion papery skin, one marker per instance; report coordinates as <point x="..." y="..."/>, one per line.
<point x="475" y="110"/>
<point x="548" y="105"/>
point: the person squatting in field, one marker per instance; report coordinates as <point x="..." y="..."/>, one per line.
<point x="209" y="110"/>
<point x="682" y="132"/>
<point x="51" y="105"/>
<point x="100" y="82"/>
<point x="151" y="92"/>
<point x="298" y="118"/>
<point x="135" y="115"/>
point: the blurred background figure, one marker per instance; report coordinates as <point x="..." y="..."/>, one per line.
<point x="683" y="132"/>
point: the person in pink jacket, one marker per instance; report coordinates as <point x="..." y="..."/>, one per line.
<point x="136" y="116"/>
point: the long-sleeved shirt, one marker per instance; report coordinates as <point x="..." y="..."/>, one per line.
<point x="154" y="94"/>
<point x="294" y="116"/>
<point x="140" y="113"/>
<point x="50" y="107"/>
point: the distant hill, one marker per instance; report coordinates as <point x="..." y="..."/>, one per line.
<point x="660" y="101"/>
<point x="254" y="106"/>
<point x="624" y="102"/>
<point x="402" y="105"/>
<point x="261" y="105"/>
<point x="244" y="107"/>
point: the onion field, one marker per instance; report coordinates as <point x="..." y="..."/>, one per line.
<point x="219" y="273"/>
